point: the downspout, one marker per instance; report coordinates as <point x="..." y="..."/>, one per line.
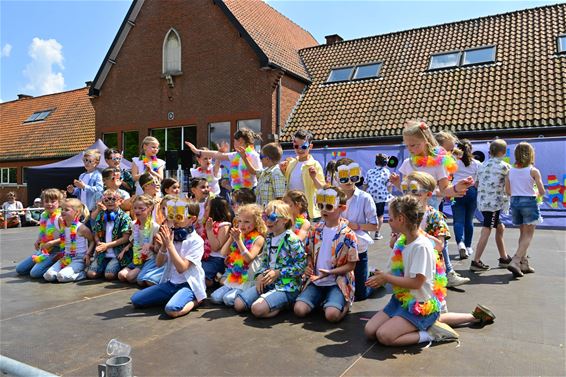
<point x="278" y="110"/>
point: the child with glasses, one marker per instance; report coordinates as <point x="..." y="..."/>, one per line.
<point x="89" y="184"/>
<point x="147" y="162"/>
<point x="112" y="228"/>
<point x="282" y="264"/>
<point x="240" y="250"/>
<point x="361" y="214"/>
<point x="332" y="254"/>
<point x="150" y="187"/>
<point x="113" y="159"/>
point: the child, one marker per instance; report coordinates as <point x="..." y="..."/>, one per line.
<point x="491" y="201"/>
<point x="283" y="260"/>
<point x="74" y="243"/>
<point x="362" y="218"/>
<point x="242" y="197"/>
<point x="240" y="175"/>
<point x="211" y="173"/>
<point x="416" y="274"/>
<point x="89" y="184"/>
<point x="245" y="243"/>
<point x="111" y="180"/>
<point x="200" y="193"/>
<point x="181" y="287"/>
<point x="144" y="230"/>
<point x="12" y="211"/>
<point x="378" y="187"/>
<point x="332" y="254"/>
<point x="48" y="239"/>
<point x="170" y="186"/>
<point x="147" y="162"/>
<point x="112" y="229"/>
<point x="271" y="184"/>
<point x="520" y="185"/>
<point x="113" y="159"/>
<point x="303" y="172"/>
<point x="225" y="190"/>
<point x="297" y="202"/>
<point x="215" y="234"/>
<point x="150" y="187"/>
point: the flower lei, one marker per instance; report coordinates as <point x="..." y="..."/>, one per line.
<point x="239" y="174"/>
<point x="153" y="159"/>
<point x="236" y="266"/>
<point x="139" y="258"/>
<point x="407" y="300"/>
<point x="46" y="230"/>
<point x="439" y="158"/>
<point x="299" y="221"/>
<point x="207" y="174"/>
<point x="69" y="251"/>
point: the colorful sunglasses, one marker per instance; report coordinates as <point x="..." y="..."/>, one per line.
<point x="349" y="173"/>
<point x="177" y="210"/>
<point x="327" y="199"/>
<point x="305" y="145"/>
<point x="109" y="199"/>
<point x="412" y="188"/>
<point x="272" y="217"/>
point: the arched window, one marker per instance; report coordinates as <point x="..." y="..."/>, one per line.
<point x="172" y="53"/>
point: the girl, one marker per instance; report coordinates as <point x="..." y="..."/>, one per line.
<point x="144" y="230"/>
<point x="150" y="187"/>
<point x="147" y="162"/>
<point x="170" y="186"/>
<point x="76" y="243"/>
<point x="205" y="170"/>
<point x="297" y="202"/>
<point x="240" y="175"/>
<point x="419" y="284"/>
<point x="47" y="243"/>
<point x="215" y="234"/>
<point x="283" y="263"/>
<point x="181" y="287"/>
<point x="246" y="242"/>
<point x="520" y="185"/>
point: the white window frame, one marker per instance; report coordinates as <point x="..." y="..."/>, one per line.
<point x="5" y="176"/>
<point x="561" y="46"/>
<point x="165" y="50"/>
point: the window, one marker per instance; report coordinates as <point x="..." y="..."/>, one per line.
<point x="444" y="60"/>
<point x="172" y="53"/>
<point x="110" y="139"/>
<point x="479" y="56"/>
<point x="218" y="132"/>
<point x="8" y="176"/>
<point x="38" y="116"/>
<point x="561" y="44"/>
<point x="130" y="144"/>
<point x="367" y="71"/>
<point x="340" y="74"/>
<point x="255" y="126"/>
<point x="173" y="139"/>
<point x="471" y="56"/>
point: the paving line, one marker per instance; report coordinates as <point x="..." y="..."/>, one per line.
<point x="358" y="359"/>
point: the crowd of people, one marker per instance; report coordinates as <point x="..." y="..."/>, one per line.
<point x="283" y="235"/>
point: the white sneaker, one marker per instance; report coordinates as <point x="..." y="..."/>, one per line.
<point x="454" y="280"/>
<point x="441" y="332"/>
<point x="462" y="250"/>
<point x="470" y="251"/>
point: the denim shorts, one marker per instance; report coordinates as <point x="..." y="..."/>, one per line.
<point x="212" y="266"/>
<point x="329" y="296"/>
<point x="525" y="211"/>
<point x="275" y="299"/>
<point x="422" y="323"/>
<point x="108" y="266"/>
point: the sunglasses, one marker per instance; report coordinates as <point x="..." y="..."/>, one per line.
<point x="109" y="199"/>
<point x="116" y="158"/>
<point x="262" y="156"/>
<point x="305" y="145"/>
<point x="272" y="217"/>
<point x="87" y="161"/>
<point x="327" y="207"/>
<point x="407" y="191"/>
<point x="353" y="179"/>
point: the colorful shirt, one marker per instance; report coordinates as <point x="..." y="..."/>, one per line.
<point x="434" y="223"/>
<point x="122" y="224"/>
<point x="344" y="250"/>
<point x="271" y="184"/>
<point x="377" y="180"/>
<point x="240" y="176"/>
<point x="491" y="185"/>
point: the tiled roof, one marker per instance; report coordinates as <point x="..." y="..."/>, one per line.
<point x="68" y="130"/>
<point x="525" y="88"/>
<point x="276" y="35"/>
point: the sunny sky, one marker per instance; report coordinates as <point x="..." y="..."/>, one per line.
<point x="52" y="46"/>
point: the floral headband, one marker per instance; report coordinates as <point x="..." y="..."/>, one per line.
<point x="349" y="173"/>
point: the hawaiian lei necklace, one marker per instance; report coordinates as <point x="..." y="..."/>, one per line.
<point x="439" y="158"/>
<point x="139" y="258"/>
<point x="239" y="174"/>
<point x="46" y="231"/>
<point x="207" y="173"/>
<point x="299" y="221"/>
<point x="236" y="266"/>
<point x="407" y="300"/>
<point x="152" y="159"/>
<point x="69" y="251"/>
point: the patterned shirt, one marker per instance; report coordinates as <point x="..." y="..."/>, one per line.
<point x="271" y="184"/>
<point x="122" y="224"/>
<point x="491" y="185"/>
<point x="377" y="180"/>
<point x="434" y="223"/>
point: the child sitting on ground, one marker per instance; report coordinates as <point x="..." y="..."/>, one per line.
<point x="297" y="202"/>
<point x="215" y="234"/>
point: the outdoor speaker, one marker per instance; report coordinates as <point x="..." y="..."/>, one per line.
<point x="479" y="155"/>
<point x="171" y="160"/>
<point x="392" y="162"/>
<point x="186" y="159"/>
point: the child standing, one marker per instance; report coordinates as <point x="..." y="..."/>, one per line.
<point x="283" y="260"/>
<point x="47" y="243"/>
<point x="378" y="187"/>
<point x="89" y="184"/>
<point x="332" y="254"/>
<point x="113" y="158"/>
<point x="181" y="287"/>
<point x="209" y="172"/>
<point x="246" y="242"/>
<point x="416" y="274"/>
<point x="297" y="202"/>
<point x="520" y="185"/>
<point x="74" y="243"/>
<point x="147" y="162"/>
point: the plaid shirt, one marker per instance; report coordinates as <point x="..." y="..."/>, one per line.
<point x="271" y="184"/>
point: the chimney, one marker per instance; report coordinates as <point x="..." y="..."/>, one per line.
<point x="24" y="96"/>
<point x="332" y="39"/>
<point x="88" y="84"/>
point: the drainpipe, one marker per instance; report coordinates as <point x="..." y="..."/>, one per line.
<point x="278" y="110"/>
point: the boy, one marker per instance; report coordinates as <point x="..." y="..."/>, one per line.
<point x="112" y="229"/>
<point x="332" y="254"/>
<point x="491" y="201"/>
<point x="113" y="159"/>
<point x="111" y="181"/>
<point x="90" y="182"/>
<point x="271" y="184"/>
<point x="303" y="172"/>
<point x="362" y="218"/>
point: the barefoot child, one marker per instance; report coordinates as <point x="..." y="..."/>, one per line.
<point x="297" y="202"/>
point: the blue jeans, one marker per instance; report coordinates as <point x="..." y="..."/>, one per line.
<point x="275" y="299"/>
<point x="463" y="211"/>
<point x="361" y="275"/>
<point x="212" y="266"/>
<point x="35" y="270"/>
<point x="446" y="257"/>
<point x="148" y="267"/>
<point x="174" y="296"/>
<point x="225" y="295"/>
<point x="325" y="296"/>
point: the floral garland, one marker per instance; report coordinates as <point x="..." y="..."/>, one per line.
<point x="299" y="221"/>
<point x="152" y="159"/>
<point x="236" y="266"/>
<point x="239" y="174"/>
<point x="69" y="251"/>
<point x="439" y="158"/>
<point x="407" y="300"/>
<point x="46" y="231"/>
<point x="139" y="258"/>
<point x="207" y="173"/>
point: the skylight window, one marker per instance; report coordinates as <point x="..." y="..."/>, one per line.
<point x="479" y="56"/>
<point x="340" y="74"/>
<point x="561" y="42"/>
<point x="454" y="59"/>
<point x="448" y="60"/>
<point x="38" y="116"/>
<point x="367" y="71"/>
<point x="358" y="72"/>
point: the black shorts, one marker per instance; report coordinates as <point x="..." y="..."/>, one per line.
<point x="491" y="219"/>
<point x="380" y="207"/>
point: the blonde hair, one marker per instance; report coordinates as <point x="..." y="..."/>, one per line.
<point x="111" y="192"/>
<point x="145" y="199"/>
<point x="443" y="136"/>
<point x="421" y="130"/>
<point x="254" y="211"/>
<point x="426" y="180"/>
<point x="52" y="194"/>
<point x="409" y="207"/>
<point x="148" y="140"/>
<point x="93" y="152"/>
<point x="524" y="154"/>
<point x="497" y="147"/>
<point x="78" y="206"/>
<point x="282" y="209"/>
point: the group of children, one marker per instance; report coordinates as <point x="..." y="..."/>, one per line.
<point x="284" y="238"/>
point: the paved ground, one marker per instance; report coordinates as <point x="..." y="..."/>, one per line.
<point x="64" y="328"/>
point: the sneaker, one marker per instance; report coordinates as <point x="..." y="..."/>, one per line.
<point x="469" y="251"/>
<point x="484" y="314"/>
<point x="441" y="332"/>
<point x="478" y="266"/>
<point x="377" y="236"/>
<point x="504" y="262"/>
<point x="454" y="280"/>
<point x="462" y="250"/>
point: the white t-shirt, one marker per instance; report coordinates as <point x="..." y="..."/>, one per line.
<point x="84" y="179"/>
<point x="467" y="171"/>
<point x="296" y="178"/>
<point x="218" y="253"/>
<point x="210" y="178"/>
<point x="12" y="208"/>
<point x="141" y="170"/>
<point x="82" y="243"/>
<point x="273" y="249"/>
<point x="108" y="238"/>
<point x="324" y="259"/>
<point x="438" y="172"/>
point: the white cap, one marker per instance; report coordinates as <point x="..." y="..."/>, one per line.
<point x="37" y="200"/>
